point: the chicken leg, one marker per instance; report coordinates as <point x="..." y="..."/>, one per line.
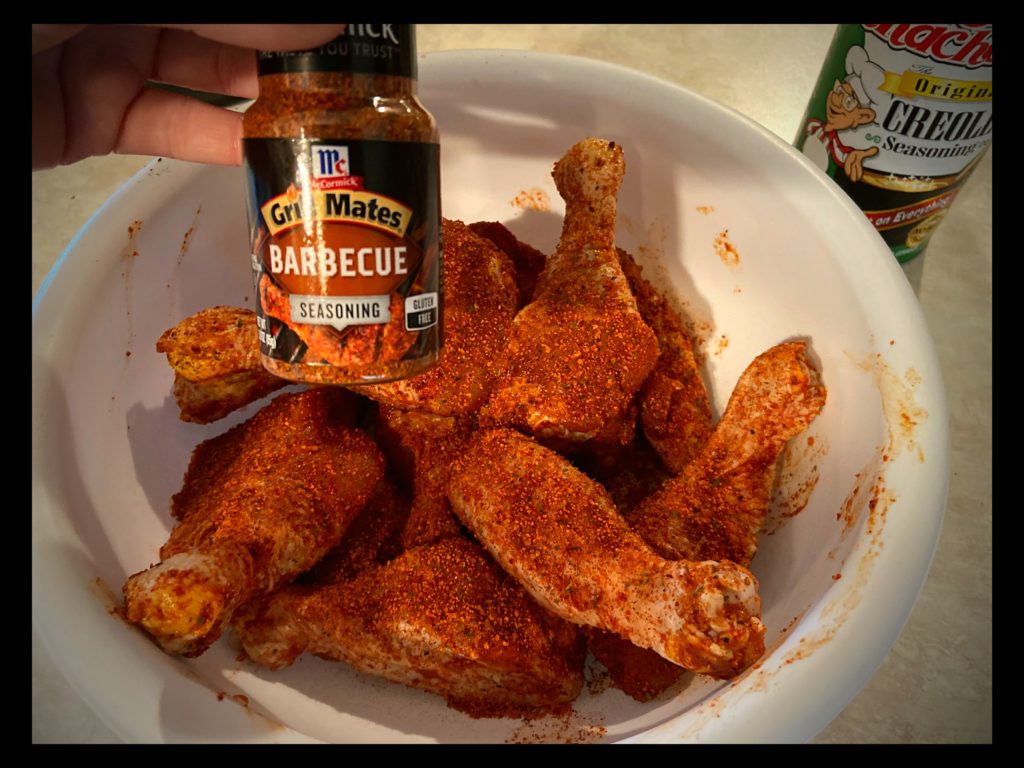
<point x="579" y="351"/>
<point x="260" y="504"/>
<point x="558" y="533"/>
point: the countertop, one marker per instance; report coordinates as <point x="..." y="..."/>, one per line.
<point x="935" y="685"/>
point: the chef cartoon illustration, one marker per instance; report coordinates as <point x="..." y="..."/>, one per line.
<point x="852" y="102"/>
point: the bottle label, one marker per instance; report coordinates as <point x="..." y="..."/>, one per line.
<point x="899" y="117"/>
<point x="346" y="249"/>
<point x="371" y="49"/>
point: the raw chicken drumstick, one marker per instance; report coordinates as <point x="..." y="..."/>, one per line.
<point x="215" y="355"/>
<point x="674" y="409"/>
<point x="558" y="533"/>
<point x="711" y="512"/>
<point x="421" y="447"/>
<point x="716" y="507"/>
<point x="260" y="504"/>
<point x="579" y="351"/>
<point x="441" y="617"/>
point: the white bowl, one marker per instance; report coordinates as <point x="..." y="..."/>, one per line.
<point x="838" y="580"/>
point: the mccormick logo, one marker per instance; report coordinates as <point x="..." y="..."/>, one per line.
<point x="969" y="45"/>
<point x="329" y="163"/>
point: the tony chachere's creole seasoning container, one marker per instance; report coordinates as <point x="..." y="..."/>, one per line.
<point x="900" y="116"/>
<point x="344" y="210"/>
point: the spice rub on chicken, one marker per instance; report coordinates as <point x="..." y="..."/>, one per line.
<point x="259" y="505"/>
<point x="215" y="355"/>
<point x="579" y="351"/>
<point x="715" y="509"/>
<point x="527" y="260"/>
<point x="675" y="411"/>
<point x="443" y="618"/>
<point x="480" y="302"/>
<point x="421" y="448"/>
<point x="558" y="533"/>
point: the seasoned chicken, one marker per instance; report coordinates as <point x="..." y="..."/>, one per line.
<point x="443" y="618"/>
<point x="674" y="409"/>
<point x="374" y="537"/>
<point x="675" y="415"/>
<point x="421" y="447"/>
<point x="638" y="672"/>
<point x="558" y="533"/>
<point x="716" y="508"/>
<point x="580" y="350"/>
<point x="635" y="474"/>
<point x="260" y="504"/>
<point x="528" y="261"/>
<point x="215" y="355"/>
<point x="480" y="301"/>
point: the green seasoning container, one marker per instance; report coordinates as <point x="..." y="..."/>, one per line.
<point x="899" y="118"/>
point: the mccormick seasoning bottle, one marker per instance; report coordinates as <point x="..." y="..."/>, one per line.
<point x="344" y="210"/>
<point x="900" y="116"/>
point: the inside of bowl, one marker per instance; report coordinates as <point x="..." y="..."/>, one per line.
<point x="696" y="176"/>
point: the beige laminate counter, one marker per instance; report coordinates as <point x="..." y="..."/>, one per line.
<point x="936" y="683"/>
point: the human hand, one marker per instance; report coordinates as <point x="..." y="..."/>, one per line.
<point x="89" y="94"/>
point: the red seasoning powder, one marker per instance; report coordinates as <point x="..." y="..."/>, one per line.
<point x="344" y="209"/>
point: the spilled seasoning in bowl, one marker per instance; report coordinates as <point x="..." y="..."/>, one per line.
<point x="128" y="256"/>
<point x="535" y="199"/>
<point x="759" y="677"/>
<point x="597" y="677"/>
<point x="725" y="250"/>
<point x="186" y="240"/>
<point x="870" y="499"/>
<point x="902" y="413"/>
<point x="707" y="210"/>
<point x="796" y="477"/>
<point x="107" y="596"/>
<point x="238" y="698"/>
<point x="721" y="344"/>
<point x="243" y="701"/>
<point x="571" y="728"/>
<point x="188" y="235"/>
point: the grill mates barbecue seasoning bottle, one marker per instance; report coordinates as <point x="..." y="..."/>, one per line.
<point x="900" y="116"/>
<point x="344" y="210"/>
